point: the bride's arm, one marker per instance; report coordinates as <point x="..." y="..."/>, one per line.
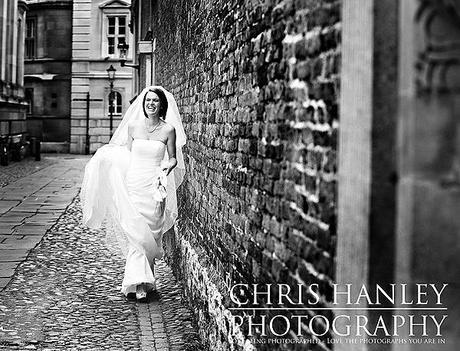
<point x="171" y="145"/>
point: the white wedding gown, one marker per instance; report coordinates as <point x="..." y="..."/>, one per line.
<point x="143" y="193"/>
<point x="127" y="190"/>
<point x="128" y="193"/>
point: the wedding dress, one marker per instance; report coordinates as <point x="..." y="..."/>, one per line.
<point x="133" y="196"/>
<point x="145" y="195"/>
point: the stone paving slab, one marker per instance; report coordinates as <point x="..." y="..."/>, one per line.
<point x="30" y="205"/>
<point x="15" y="242"/>
<point x="7" y="272"/>
<point x="7" y="205"/>
<point x="12" y="255"/>
<point x="3" y="282"/>
<point x="31" y="229"/>
<point x="16" y="170"/>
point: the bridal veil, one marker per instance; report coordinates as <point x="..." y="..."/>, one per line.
<point x="104" y="195"/>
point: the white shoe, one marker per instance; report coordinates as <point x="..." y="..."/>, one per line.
<point x="141" y="294"/>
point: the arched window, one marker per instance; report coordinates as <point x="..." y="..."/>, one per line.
<point x="115" y="103"/>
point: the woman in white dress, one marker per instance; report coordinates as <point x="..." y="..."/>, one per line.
<point x="131" y="183"/>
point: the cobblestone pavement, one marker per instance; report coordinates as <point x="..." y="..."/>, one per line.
<point x="17" y="170"/>
<point x="171" y="322"/>
<point x="65" y="296"/>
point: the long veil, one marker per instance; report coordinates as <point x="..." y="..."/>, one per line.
<point x="103" y="192"/>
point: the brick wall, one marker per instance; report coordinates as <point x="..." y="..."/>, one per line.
<point x="257" y="85"/>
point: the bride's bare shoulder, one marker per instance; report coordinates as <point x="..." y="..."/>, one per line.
<point x="169" y="128"/>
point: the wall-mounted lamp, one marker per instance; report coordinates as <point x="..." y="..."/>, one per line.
<point x="111" y="73"/>
<point x="123" y="49"/>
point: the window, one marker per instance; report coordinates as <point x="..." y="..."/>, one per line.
<point x="53" y="100"/>
<point x="116" y="33"/>
<point x="29" y="97"/>
<point x="115" y="103"/>
<point x="18" y="57"/>
<point x="114" y="30"/>
<point x="31" y="30"/>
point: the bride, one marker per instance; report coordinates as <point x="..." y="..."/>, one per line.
<point x="131" y="184"/>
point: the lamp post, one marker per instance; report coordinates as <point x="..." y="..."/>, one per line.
<point x="123" y="52"/>
<point x="111" y="75"/>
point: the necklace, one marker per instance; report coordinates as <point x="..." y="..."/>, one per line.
<point x="152" y="130"/>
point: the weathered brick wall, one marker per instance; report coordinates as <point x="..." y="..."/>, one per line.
<point x="257" y="84"/>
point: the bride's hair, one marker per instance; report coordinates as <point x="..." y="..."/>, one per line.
<point x="163" y="102"/>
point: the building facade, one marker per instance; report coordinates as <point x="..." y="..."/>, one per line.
<point x="98" y="28"/>
<point x="142" y="12"/>
<point x="48" y="63"/>
<point x="12" y="104"/>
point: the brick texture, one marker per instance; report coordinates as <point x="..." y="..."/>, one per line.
<point x="257" y="85"/>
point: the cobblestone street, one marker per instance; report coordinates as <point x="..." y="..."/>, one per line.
<point x="60" y="283"/>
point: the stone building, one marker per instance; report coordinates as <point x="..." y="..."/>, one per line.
<point x="399" y="155"/>
<point x="98" y="28"/>
<point x="12" y="105"/>
<point x="48" y="63"/>
<point x="322" y="147"/>
<point x="142" y="14"/>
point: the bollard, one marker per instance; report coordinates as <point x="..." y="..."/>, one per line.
<point x="32" y="146"/>
<point x="4" y="151"/>
<point x="37" y="149"/>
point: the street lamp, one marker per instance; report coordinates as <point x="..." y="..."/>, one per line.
<point x="123" y="48"/>
<point x="111" y="75"/>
